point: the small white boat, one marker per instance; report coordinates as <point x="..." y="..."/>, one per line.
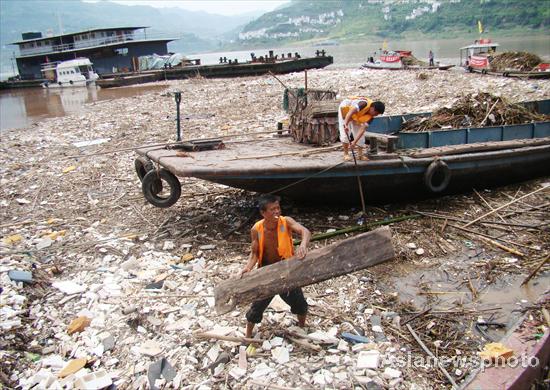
<point x="72" y="73"/>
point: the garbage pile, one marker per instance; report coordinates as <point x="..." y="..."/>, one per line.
<point x="475" y="110"/>
<point x="412" y="60"/>
<point x="515" y="60"/>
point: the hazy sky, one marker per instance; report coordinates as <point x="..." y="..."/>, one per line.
<point x="227" y="7"/>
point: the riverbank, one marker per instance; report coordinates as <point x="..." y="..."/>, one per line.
<point x="83" y="221"/>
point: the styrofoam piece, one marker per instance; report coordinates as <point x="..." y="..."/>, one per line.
<point x="93" y="381"/>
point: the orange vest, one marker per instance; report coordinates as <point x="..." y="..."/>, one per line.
<point x="285" y="247"/>
<point x="362" y="115"/>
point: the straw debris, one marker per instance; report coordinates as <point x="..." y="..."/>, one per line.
<point x="475" y="110"/>
<point x="515" y="60"/>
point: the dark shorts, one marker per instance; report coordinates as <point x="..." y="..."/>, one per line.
<point x="295" y="299"/>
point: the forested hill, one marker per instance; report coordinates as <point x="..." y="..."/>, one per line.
<point x="302" y="20"/>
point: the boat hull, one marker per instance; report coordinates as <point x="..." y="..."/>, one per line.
<point x="393" y="181"/>
<point x="218" y="71"/>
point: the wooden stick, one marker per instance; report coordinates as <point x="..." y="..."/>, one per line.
<point x="439" y="365"/>
<point x="534" y="272"/>
<point x="487" y="203"/>
<point x="416" y="316"/>
<point x="503" y="247"/>
<point x="491" y="240"/>
<point x="489" y="113"/>
<point x="450" y="218"/>
<point x="505" y="205"/>
<point x="367" y="226"/>
<point x="528" y="209"/>
<point x="208" y="335"/>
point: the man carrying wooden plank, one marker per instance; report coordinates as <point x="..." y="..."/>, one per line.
<point x="272" y="242"/>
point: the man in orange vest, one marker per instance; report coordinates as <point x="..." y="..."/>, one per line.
<point x="271" y="243"/>
<point x="356" y="113"/>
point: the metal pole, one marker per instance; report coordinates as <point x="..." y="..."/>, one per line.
<point x="177" y="96"/>
<point x="358" y="178"/>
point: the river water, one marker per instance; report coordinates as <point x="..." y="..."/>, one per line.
<point x="21" y="107"/>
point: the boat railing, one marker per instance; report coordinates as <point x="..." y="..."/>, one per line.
<point x="49" y="66"/>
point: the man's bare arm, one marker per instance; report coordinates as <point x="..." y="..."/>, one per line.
<point x="304" y="233"/>
<point x="254" y="252"/>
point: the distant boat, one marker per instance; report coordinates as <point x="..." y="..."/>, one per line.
<point x="400" y="60"/>
<point x="477" y="58"/>
<point x="72" y="73"/>
<point x="258" y="66"/>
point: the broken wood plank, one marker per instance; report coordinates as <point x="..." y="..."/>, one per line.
<point x="350" y="255"/>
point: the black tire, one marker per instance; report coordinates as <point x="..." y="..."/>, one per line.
<point x="470" y="69"/>
<point x="484" y="71"/>
<point x="142" y="166"/>
<point x="150" y="185"/>
<point x="437" y="177"/>
<point x="506" y="74"/>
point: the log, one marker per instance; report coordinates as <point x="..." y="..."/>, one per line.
<point x="344" y="257"/>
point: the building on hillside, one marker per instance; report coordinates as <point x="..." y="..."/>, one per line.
<point x="109" y="49"/>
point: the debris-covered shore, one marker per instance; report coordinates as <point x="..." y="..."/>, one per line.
<point x="120" y="290"/>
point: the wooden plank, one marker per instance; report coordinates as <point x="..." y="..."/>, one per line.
<point x="344" y="257"/>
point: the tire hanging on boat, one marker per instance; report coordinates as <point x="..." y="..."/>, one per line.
<point x="437" y="177"/>
<point x="142" y="166"/>
<point x="151" y="184"/>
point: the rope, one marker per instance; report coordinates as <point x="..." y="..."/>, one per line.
<point x="306" y="178"/>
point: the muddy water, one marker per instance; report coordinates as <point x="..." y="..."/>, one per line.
<point x="445" y="289"/>
<point x="21" y="107"/>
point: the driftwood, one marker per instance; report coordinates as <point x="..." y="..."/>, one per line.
<point x="352" y="254"/>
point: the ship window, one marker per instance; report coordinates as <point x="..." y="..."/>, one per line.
<point x="92" y="35"/>
<point x="110" y="33"/>
<point x="38" y="44"/>
<point x="77" y="38"/>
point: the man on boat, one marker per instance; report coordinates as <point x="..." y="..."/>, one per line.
<point x="356" y="113"/>
<point x="271" y="243"/>
<point x="431" y="57"/>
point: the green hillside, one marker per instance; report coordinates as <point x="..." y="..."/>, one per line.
<point x="304" y="20"/>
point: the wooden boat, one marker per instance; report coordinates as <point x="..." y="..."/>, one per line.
<point x="477" y="57"/>
<point x="398" y="60"/>
<point x="220" y="70"/>
<point x="413" y="164"/>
